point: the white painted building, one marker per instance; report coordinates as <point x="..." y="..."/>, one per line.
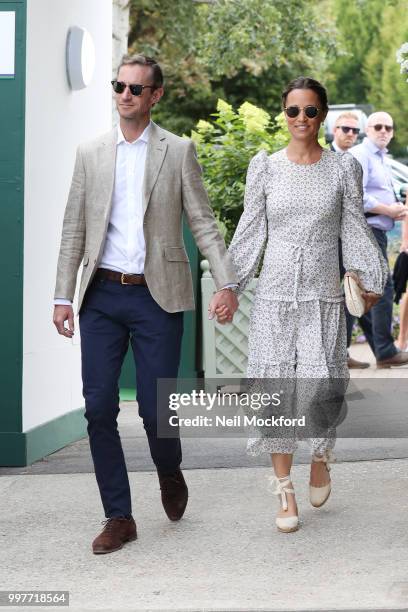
<point x="42" y="120"/>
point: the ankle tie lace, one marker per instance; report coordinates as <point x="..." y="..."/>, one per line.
<point x="327" y="458"/>
<point x="282" y="489"/>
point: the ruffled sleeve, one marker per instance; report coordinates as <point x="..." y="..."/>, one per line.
<point x="361" y="252"/>
<point x="249" y="240"/>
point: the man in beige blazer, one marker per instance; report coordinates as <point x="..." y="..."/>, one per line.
<point x="123" y="221"/>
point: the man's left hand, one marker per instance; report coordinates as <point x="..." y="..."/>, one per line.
<point x="223" y="304"/>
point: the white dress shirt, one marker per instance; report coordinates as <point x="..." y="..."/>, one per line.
<point x="336" y="147"/>
<point x="125" y="248"/>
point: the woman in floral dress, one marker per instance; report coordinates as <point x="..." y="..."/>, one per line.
<point x="298" y="202"/>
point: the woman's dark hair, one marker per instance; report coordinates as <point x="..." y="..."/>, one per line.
<point x="307" y="83"/>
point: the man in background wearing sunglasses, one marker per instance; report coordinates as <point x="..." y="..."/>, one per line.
<point x="124" y="219"/>
<point x="345" y="133"/>
<point x="382" y="210"/>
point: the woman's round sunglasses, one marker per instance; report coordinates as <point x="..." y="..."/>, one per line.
<point x="310" y="111"/>
<point x="136" y="90"/>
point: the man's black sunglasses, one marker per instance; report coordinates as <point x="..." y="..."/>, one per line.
<point x="310" y="111"/>
<point x="136" y="90"/>
<point x="346" y="129"/>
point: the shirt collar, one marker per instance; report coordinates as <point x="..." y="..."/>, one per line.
<point x="144" y="136"/>
<point x="373" y="147"/>
<point x="336" y="147"/>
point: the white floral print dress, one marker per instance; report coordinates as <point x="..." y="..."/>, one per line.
<point x="294" y="215"/>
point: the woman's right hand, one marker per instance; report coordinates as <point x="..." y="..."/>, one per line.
<point x="370" y="298"/>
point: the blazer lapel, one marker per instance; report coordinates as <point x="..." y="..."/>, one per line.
<point x="156" y="152"/>
<point x="106" y="167"/>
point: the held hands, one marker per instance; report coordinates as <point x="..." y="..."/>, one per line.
<point x="223" y="305"/>
<point x="62" y="314"/>
<point x="370" y="298"/>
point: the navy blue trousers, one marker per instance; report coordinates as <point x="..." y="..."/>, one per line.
<point x="377" y="323"/>
<point x="112" y="315"/>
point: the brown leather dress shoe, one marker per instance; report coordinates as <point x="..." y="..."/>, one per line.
<point x="174" y="494"/>
<point x="354" y="364"/>
<point x="399" y="359"/>
<point x="116" y="532"/>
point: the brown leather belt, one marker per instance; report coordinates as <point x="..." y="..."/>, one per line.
<point x="124" y="279"/>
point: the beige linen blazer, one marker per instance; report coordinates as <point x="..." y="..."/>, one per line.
<point x="172" y="186"/>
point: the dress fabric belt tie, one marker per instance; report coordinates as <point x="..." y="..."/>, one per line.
<point x="298" y="255"/>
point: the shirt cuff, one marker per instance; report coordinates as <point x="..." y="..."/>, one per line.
<point x="62" y="302"/>
<point x="230" y="286"/>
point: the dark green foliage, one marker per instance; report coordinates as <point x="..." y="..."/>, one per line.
<point x="230" y="49"/>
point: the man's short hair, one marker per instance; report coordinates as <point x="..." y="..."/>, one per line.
<point x="144" y="60"/>
<point x="346" y="115"/>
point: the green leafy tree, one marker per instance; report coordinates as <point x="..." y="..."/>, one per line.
<point x="357" y="24"/>
<point x="365" y="71"/>
<point x="387" y="90"/>
<point x="260" y="36"/>
<point x="231" y="49"/>
<point x="168" y="31"/>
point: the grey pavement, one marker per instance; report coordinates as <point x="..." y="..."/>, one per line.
<point x="225" y="554"/>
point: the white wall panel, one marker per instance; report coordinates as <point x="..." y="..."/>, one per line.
<point x="57" y="119"/>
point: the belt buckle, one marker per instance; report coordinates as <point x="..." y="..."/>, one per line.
<point x="122" y="281"/>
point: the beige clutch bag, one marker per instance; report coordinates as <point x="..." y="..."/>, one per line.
<point x="354" y="300"/>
